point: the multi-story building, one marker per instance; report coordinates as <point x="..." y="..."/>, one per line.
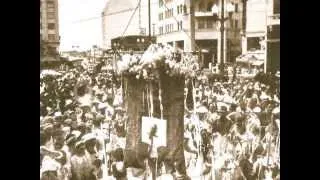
<point x="116" y="19"/>
<point x="262" y="16"/>
<point x="174" y="28"/>
<point x="273" y="39"/>
<point x="49" y="28"/>
<point x="258" y="14"/>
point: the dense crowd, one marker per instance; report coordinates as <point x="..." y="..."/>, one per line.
<point x="236" y="127"/>
<point x="232" y="128"/>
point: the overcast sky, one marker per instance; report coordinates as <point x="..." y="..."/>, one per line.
<point x="75" y="28"/>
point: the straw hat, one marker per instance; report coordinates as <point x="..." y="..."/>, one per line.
<point x="88" y="137"/>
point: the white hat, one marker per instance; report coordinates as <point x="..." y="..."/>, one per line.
<point x="49" y="164"/>
<point x="276" y="110"/>
<point x="76" y="133"/>
<point x="256" y="110"/>
<point x="57" y="114"/>
<point x="68" y="102"/>
<point x="88" y="137"/>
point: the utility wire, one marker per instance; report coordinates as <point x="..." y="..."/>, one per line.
<point x="99" y="17"/>
<point x="129" y="22"/>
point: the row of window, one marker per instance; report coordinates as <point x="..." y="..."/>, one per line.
<point x="208" y="23"/>
<point x="182" y="9"/>
<point x="169" y="13"/>
<point x="170" y="28"/>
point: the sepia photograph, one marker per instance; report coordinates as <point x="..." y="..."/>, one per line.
<point x="160" y="89"/>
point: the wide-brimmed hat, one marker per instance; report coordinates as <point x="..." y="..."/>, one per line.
<point x="88" y="137"/>
<point x="71" y="139"/>
<point x="79" y="144"/>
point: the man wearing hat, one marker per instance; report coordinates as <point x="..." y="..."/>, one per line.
<point x="92" y="155"/>
<point x="80" y="166"/>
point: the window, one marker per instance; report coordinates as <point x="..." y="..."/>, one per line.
<point x="201" y="24"/>
<point x="209" y="6"/>
<point x="161" y="30"/>
<point x="178" y="9"/>
<point x="179" y="25"/>
<point x="236" y="7"/>
<point x="50" y="4"/>
<point x="51" y="15"/>
<point x="51" y="26"/>
<point x="161" y="16"/>
<point x="51" y="37"/>
<point x="209" y="23"/>
<point x="185" y="9"/>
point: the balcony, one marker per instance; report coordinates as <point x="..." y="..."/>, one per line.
<point x="203" y="14"/>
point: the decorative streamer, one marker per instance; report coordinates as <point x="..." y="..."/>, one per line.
<point x="160" y="100"/>
<point x="151" y="99"/>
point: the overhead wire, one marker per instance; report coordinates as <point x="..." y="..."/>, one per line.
<point x="98" y="17"/>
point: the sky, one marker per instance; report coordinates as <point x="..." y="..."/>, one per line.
<point x="74" y="25"/>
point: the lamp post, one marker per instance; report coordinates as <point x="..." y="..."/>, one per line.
<point x="215" y="11"/>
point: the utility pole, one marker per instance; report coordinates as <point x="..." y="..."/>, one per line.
<point x="192" y="26"/>
<point x="221" y="67"/>
<point x="149" y="20"/>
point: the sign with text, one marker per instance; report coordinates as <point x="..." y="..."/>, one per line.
<point x="157" y="126"/>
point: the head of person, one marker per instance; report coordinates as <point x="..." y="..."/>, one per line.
<point x="80" y="148"/>
<point x="58" y="140"/>
<point x="90" y="145"/>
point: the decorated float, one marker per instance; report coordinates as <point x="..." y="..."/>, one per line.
<point x="153" y="91"/>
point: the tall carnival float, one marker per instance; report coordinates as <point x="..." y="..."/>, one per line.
<point x="153" y="92"/>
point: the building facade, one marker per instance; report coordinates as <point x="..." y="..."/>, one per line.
<point x="273" y="39"/>
<point x="258" y="17"/>
<point x="117" y="14"/>
<point x="49" y="28"/>
<point x="174" y="27"/>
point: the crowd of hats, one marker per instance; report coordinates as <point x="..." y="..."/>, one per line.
<point x="235" y="124"/>
<point x="158" y="58"/>
<point x="78" y="107"/>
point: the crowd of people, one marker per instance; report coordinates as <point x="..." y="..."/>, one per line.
<point x="232" y="128"/>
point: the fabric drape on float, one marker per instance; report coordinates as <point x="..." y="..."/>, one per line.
<point x="173" y="112"/>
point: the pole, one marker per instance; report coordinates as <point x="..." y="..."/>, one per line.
<point x="266" y="38"/>
<point x="149" y="20"/>
<point x="192" y="26"/>
<point x="222" y="38"/>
